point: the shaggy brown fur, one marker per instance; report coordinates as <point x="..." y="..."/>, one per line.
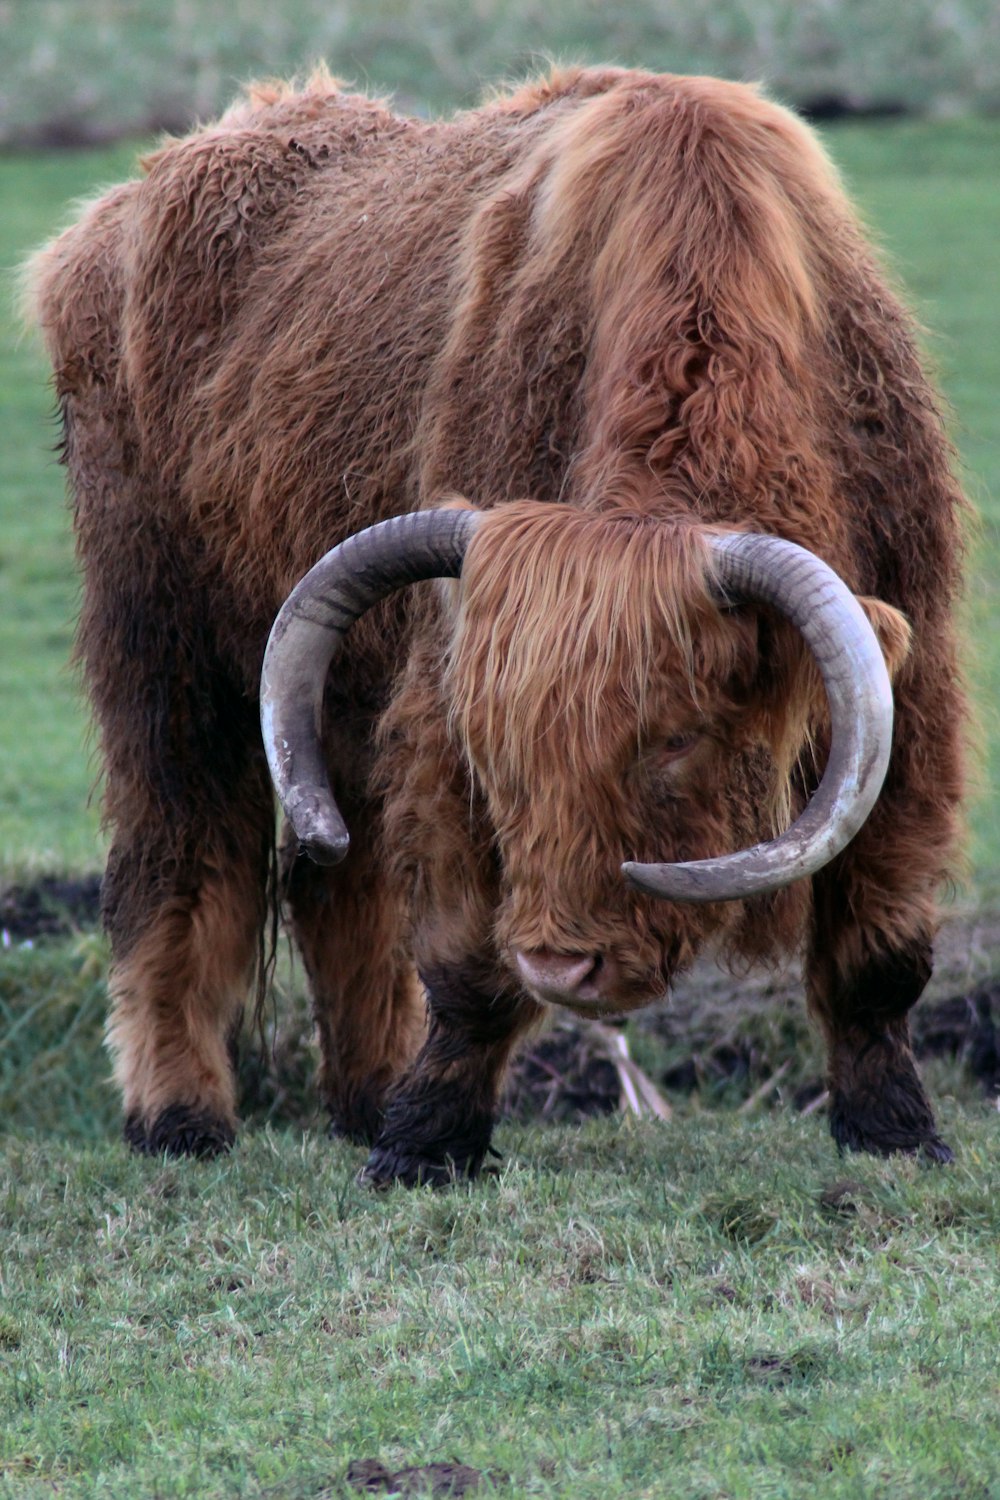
<point x="643" y="297"/>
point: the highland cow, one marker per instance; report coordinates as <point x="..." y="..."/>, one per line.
<point x="632" y="319"/>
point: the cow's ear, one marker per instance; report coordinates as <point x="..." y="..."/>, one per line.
<point x="892" y="630"/>
<point x="791" y="700"/>
<point x="452" y="502"/>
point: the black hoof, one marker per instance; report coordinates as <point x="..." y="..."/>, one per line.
<point x="387" y="1167"/>
<point x="180" y="1130"/>
<point x="391" y="1163"/>
<point x="854" y="1130"/>
<point x="937" y="1150"/>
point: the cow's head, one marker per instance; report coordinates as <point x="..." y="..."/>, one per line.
<point x="631" y="695"/>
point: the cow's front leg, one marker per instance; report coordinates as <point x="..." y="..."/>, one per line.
<point x="877" y="1101"/>
<point x="368" y="1005"/>
<point x="439" y="1118"/>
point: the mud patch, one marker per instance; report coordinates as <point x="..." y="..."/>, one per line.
<point x="966" y="1027"/>
<point x="49" y="907"/>
<point x="370" y="1477"/>
<point x="564" y="1076"/>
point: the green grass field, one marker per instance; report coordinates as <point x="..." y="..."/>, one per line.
<point x="695" y="1310"/>
<point x="45" y="775"/>
<point x="712" y="1307"/>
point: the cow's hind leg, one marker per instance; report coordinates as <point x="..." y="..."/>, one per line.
<point x="190" y="805"/>
<point x="862" y="983"/>
<point x="185" y="922"/>
<point x="348" y="923"/>
<point x="439" y="1119"/>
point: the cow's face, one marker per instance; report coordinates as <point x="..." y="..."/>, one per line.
<point x="604" y="703"/>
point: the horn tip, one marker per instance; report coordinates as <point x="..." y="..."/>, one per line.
<point x="325" y="851"/>
<point x="669" y="882"/>
<point x="638" y="875"/>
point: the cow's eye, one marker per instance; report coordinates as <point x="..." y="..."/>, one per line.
<point x="675" y="746"/>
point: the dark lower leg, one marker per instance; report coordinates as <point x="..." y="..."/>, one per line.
<point x="439" y="1119"/>
<point x="877" y="1101"/>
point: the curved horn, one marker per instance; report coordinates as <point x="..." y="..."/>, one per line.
<point x="307" y="635"/>
<point x="836" y="630"/>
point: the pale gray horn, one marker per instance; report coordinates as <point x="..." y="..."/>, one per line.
<point x="307" y="635"/>
<point x="768" y="570"/>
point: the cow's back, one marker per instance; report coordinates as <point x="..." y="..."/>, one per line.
<point x="608" y="287"/>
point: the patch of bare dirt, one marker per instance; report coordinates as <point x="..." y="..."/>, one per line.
<point x="51" y="906"/>
<point x="565" y="1075"/>
<point x="373" y="1478"/>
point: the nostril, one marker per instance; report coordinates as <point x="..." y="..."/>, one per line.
<point x="558" y="973"/>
